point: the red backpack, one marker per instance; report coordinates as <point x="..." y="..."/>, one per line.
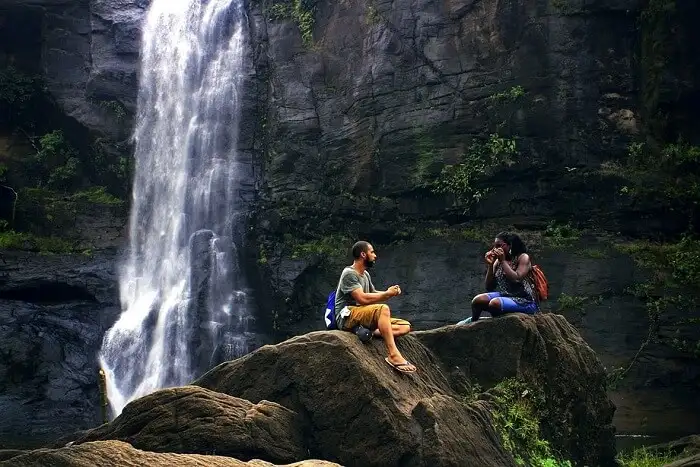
<point x="539" y="281"/>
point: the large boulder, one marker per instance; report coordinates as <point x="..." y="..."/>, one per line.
<point x="198" y="421"/>
<point x="118" y="453"/>
<point x="546" y="352"/>
<point x="357" y="411"/>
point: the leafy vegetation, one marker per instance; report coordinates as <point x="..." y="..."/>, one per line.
<point x="17" y="91"/>
<point x="465" y="181"/>
<point x="96" y="195"/>
<point x="511" y="94"/>
<point x="426" y="155"/>
<point x="115" y="108"/>
<point x="372" y="17"/>
<point x="645" y="457"/>
<point x="516" y="417"/>
<point x="558" y="235"/>
<point x="56" y="163"/>
<point x="298" y="11"/>
<point x="673" y="284"/>
<point x="11" y="240"/>
<point x="674" y="183"/>
<point x="330" y="247"/>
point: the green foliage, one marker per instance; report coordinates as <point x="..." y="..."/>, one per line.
<point x="464" y="181"/>
<point x="372" y="17"/>
<point x="570" y="302"/>
<point x="426" y="154"/>
<point x="559" y="235"/>
<point x="645" y="457"/>
<point x="298" y="11"/>
<point x="96" y="195"/>
<point x="576" y="303"/>
<point x="674" y="181"/>
<point x="16" y="93"/>
<point x="509" y="95"/>
<point x="516" y="415"/>
<point x="329" y="247"/>
<point x="56" y="163"/>
<point x="115" y="108"/>
<point x="673" y="284"/>
<point x="11" y="240"/>
<point x="111" y="166"/>
<point x="49" y="213"/>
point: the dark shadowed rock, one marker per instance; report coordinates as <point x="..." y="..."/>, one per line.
<point x="54" y="311"/>
<point x="118" y="453"/>
<point x="358" y="411"/>
<point x="692" y="461"/>
<point x="193" y="420"/>
<point x="688" y="448"/>
<point x="6" y="454"/>
<point x="547" y="352"/>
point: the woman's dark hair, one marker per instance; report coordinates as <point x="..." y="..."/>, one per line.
<point x="517" y="246"/>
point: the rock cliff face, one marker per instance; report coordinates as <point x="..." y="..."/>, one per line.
<point x="53" y="314"/>
<point x="86" y="52"/>
<point x="364" y="104"/>
<point x="349" y="111"/>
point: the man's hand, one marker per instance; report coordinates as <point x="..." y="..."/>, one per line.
<point x="394" y="290"/>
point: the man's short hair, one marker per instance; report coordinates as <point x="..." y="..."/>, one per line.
<point x="359" y="248"/>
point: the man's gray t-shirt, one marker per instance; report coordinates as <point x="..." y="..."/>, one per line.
<point x="350" y="280"/>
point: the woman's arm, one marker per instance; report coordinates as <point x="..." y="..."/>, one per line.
<point x="489" y="282"/>
<point x="522" y="270"/>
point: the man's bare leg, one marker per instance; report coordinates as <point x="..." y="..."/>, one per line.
<point x="396" y="329"/>
<point x="384" y="325"/>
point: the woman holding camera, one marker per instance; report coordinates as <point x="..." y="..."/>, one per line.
<point x="509" y="289"/>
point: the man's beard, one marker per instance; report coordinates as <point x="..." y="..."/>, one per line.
<point x="368" y="263"/>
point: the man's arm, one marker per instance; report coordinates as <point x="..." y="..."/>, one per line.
<point x="364" y="298"/>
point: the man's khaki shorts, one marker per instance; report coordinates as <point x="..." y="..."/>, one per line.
<point x="368" y="316"/>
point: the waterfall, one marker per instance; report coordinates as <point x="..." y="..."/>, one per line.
<point x="183" y="298"/>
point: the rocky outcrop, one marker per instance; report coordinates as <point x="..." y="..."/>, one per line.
<point x="335" y="398"/>
<point x="357" y="411"/>
<point x="193" y="420"/>
<point x="54" y="311"/>
<point x="541" y="352"/>
<point x="118" y="453"/>
<point x="440" y="273"/>
<point x="87" y="54"/>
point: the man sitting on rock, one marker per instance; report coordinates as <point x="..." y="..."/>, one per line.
<point x="358" y="306"/>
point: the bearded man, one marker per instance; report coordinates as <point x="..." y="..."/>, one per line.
<point x="359" y="307"/>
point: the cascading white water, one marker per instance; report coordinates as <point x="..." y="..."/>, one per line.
<point x="181" y="293"/>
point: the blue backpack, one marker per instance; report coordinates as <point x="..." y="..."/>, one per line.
<point x="329" y="313"/>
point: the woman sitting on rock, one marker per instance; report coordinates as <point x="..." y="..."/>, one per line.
<point x="509" y="287"/>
